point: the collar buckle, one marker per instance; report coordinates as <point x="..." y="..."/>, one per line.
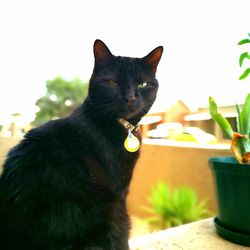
<point x="127" y="125"/>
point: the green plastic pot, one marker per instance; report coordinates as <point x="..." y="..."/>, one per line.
<point x="232" y="190"/>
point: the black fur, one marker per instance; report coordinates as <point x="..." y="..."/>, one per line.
<point x="64" y="185"/>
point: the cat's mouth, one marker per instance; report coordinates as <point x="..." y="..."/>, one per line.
<point x="131" y="110"/>
<point x="133" y="106"/>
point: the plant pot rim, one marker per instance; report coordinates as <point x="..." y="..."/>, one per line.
<point x="229" y="165"/>
<point x="226" y="159"/>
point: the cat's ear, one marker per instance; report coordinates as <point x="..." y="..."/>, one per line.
<point x="154" y="57"/>
<point x="101" y="51"/>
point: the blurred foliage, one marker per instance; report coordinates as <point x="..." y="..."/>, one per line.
<point x="244" y="57"/>
<point x="174" y="207"/>
<point x="61" y="99"/>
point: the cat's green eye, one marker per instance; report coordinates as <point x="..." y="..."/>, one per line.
<point x="142" y="85"/>
<point x="113" y="83"/>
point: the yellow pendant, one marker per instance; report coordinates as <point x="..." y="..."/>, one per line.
<point x="131" y="143"/>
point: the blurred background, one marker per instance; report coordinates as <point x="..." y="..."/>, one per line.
<point x="46" y="60"/>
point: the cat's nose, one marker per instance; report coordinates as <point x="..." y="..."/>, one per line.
<point x="129" y="98"/>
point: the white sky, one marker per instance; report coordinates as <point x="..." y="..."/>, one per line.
<point x="42" y="39"/>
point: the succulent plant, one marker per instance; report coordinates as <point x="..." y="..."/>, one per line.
<point x="240" y="138"/>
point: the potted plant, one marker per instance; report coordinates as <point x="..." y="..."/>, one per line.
<point x="231" y="175"/>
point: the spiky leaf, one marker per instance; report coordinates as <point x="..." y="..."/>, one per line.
<point x="222" y="122"/>
<point x="238" y="118"/>
<point x="243" y="56"/>
<point x="245" y="74"/>
<point x="244" y="41"/>
<point x="245" y="117"/>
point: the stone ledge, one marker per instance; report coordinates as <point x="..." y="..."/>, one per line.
<point x="193" y="236"/>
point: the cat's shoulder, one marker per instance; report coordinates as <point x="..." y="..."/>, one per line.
<point x="44" y="138"/>
<point x="54" y="131"/>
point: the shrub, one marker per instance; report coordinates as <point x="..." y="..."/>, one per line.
<point x="174" y="207"/>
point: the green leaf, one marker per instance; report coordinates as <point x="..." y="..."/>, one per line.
<point x="244" y="41"/>
<point x="222" y="122"/>
<point x="238" y="126"/>
<point x="245" y="117"/>
<point x="243" y="145"/>
<point x="245" y="74"/>
<point x="243" y="56"/>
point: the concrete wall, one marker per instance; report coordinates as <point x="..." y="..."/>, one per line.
<point x="178" y="164"/>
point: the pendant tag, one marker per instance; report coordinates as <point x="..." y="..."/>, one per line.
<point x="131" y="143"/>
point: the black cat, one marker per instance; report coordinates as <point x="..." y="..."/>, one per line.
<point x="64" y="185"/>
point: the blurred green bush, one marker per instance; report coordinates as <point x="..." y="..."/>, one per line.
<point x="174" y="207"/>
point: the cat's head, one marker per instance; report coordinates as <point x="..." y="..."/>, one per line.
<point x="123" y="87"/>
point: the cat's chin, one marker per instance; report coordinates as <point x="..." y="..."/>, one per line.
<point x="132" y="115"/>
<point x="134" y="112"/>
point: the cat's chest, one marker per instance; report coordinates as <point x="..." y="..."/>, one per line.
<point x="116" y="153"/>
<point x="115" y="158"/>
<point x="109" y="151"/>
<point x="117" y="150"/>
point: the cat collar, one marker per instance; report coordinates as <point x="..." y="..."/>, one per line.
<point x="127" y="125"/>
<point x="131" y="143"/>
